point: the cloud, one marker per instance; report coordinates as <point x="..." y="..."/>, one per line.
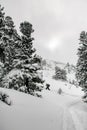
<point x="57" y="24"/>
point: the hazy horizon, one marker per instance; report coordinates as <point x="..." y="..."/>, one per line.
<point x="57" y="25"/>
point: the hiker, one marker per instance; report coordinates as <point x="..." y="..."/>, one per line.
<point x="47" y="86"/>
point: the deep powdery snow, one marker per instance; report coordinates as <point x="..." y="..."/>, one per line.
<point x="52" y="112"/>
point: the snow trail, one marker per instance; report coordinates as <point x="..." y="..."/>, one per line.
<point x="68" y="123"/>
<point x="78" y="124"/>
<point x="77" y="109"/>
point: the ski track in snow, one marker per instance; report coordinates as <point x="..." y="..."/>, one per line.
<point x="71" y="120"/>
<point x="67" y="120"/>
<point x="78" y="124"/>
<point x="78" y="111"/>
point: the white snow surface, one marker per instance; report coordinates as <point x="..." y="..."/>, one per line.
<point x="52" y="112"/>
<point x="67" y="88"/>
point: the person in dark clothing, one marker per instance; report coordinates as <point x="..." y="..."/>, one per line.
<point x="47" y="86"/>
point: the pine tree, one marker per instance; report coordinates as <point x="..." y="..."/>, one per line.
<point x="27" y="61"/>
<point x="2" y="26"/>
<point x="2" y="56"/>
<point x="9" y="40"/>
<point x="81" y="73"/>
<point x="60" y="74"/>
<point x="21" y="64"/>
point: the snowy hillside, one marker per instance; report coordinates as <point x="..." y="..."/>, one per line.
<point x="65" y="86"/>
<point x="49" y="72"/>
<point x="49" y="66"/>
<point x="54" y="111"/>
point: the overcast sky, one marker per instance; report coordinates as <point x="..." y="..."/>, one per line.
<point x="57" y="25"/>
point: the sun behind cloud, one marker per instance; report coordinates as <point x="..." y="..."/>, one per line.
<point x="54" y="43"/>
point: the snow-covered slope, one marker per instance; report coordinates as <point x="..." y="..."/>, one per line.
<point x="52" y="112"/>
<point x="66" y="87"/>
<point x="29" y="113"/>
<point x="49" y="66"/>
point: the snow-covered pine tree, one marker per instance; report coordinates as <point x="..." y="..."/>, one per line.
<point x="27" y="62"/>
<point x="60" y="74"/>
<point x="81" y="72"/>
<point x="2" y="27"/>
<point x="21" y="64"/>
<point x="9" y="40"/>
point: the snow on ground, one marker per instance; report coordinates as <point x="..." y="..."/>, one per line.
<point x="29" y="113"/>
<point x="52" y="112"/>
<point x="65" y="86"/>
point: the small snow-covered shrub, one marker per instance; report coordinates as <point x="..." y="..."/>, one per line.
<point x="84" y="98"/>
<point x="5" y="98"/>
<point x="60" y="74"/>
<point x="38" y="95"/>
<point x="23" y="89"/>
<point x="73" y="82"/>
<point x="8" y="101"/>
<point x="59" y="91"/>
